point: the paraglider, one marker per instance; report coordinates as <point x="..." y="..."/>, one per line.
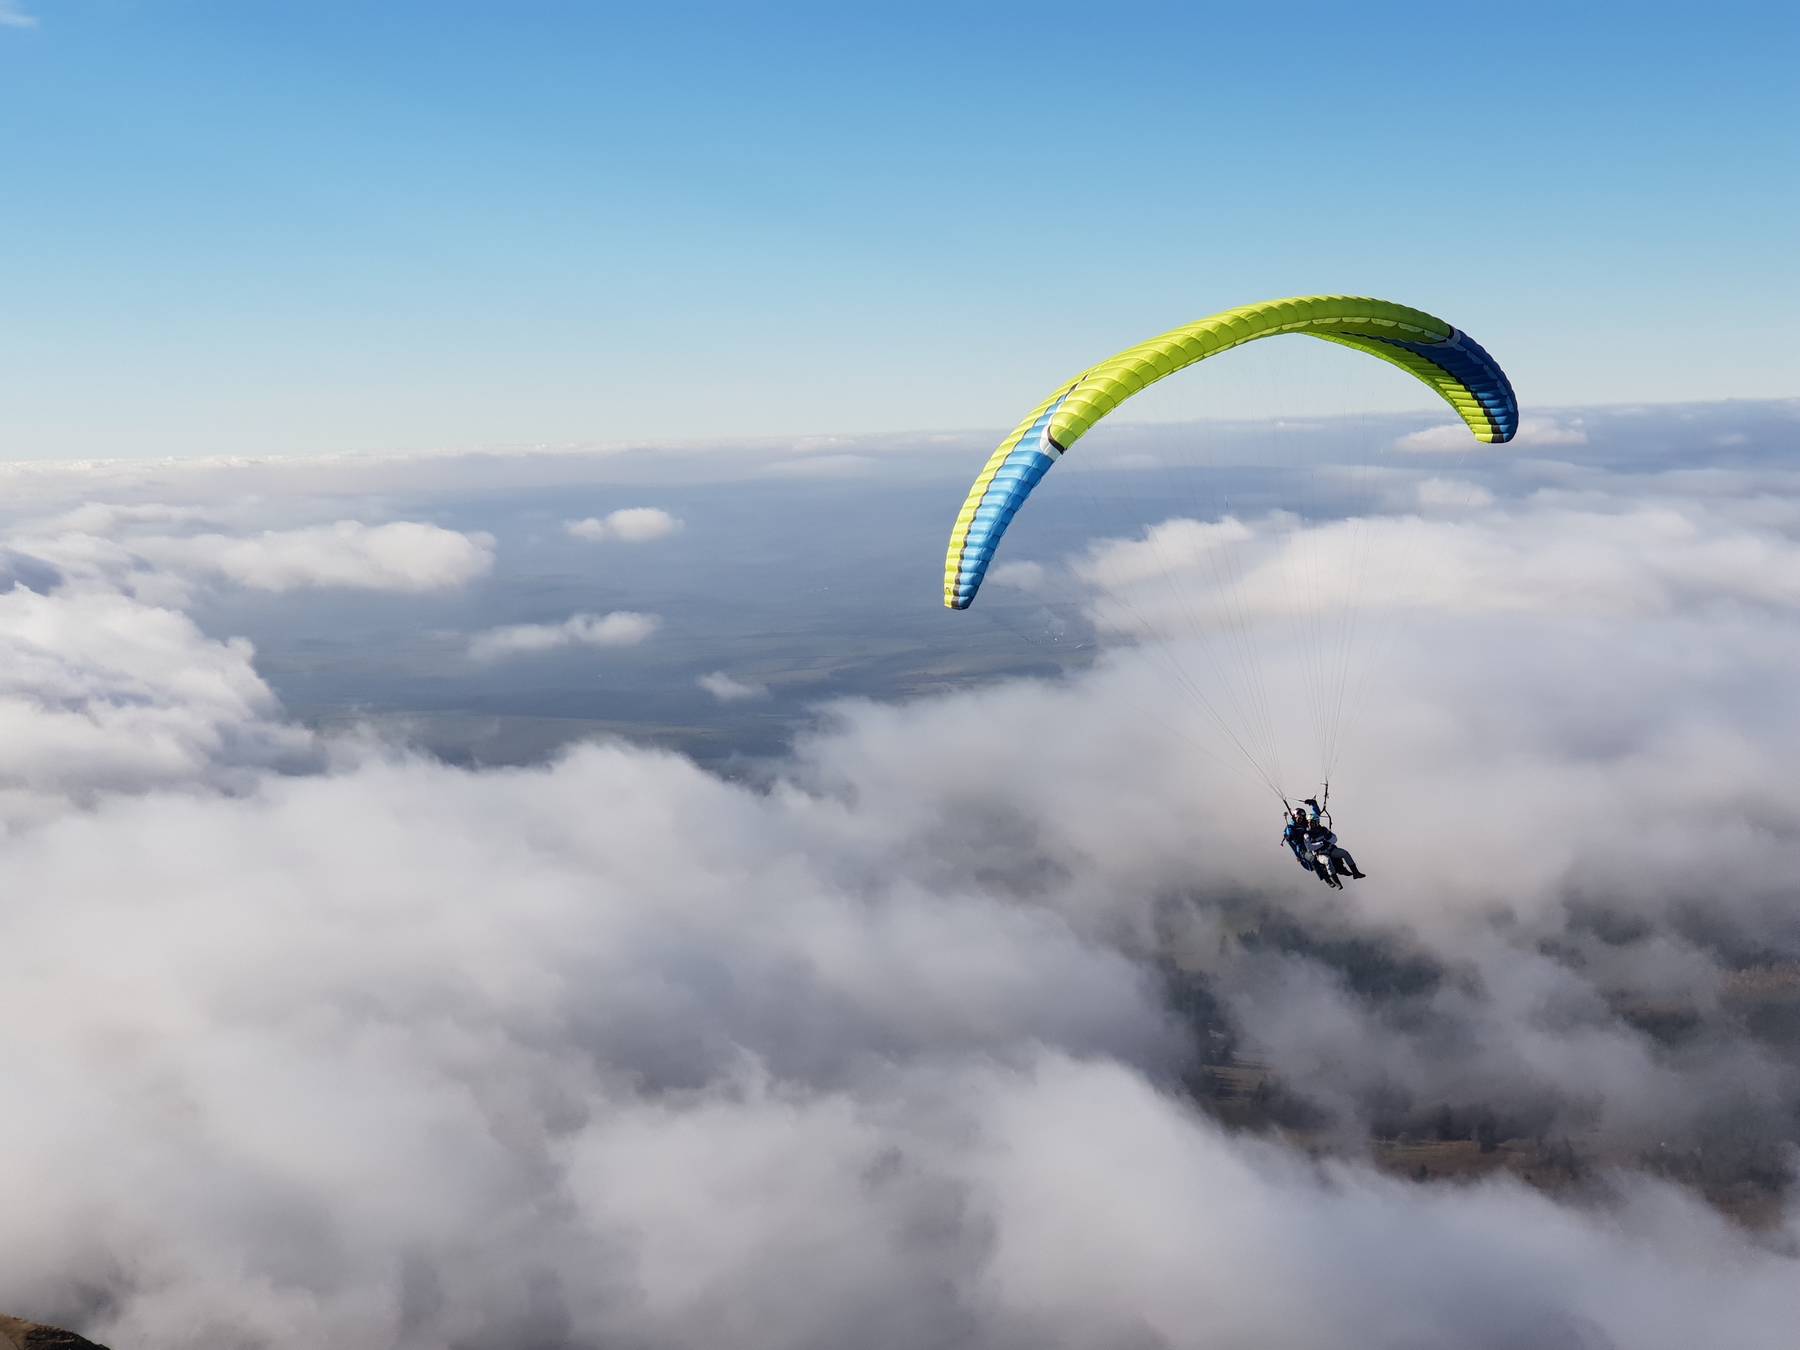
<point x="1447" y="360"/>
<point x="1440" y="356"/>
<point x="1315" y="843"/>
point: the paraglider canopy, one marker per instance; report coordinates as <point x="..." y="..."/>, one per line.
<point x="1447" y="360"/>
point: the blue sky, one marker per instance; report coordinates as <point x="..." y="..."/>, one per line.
<point x="264" y="228"/>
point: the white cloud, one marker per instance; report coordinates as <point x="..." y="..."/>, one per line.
<point x="13" y="15"/>
<point x="102" y="693"/>
<point x="1533" y="433"/>
<point x="1449" y="438"/>
<point x="630" y="525"/>
<point x="1581" y="555"/>
<point x="618" y="1048"/>
<point x="1171" y="544"/>
<point x="621" y="628"/>
<point x="405" y="556"/>
<point x="1020" y="576"/>
<point x="727" y="690"/>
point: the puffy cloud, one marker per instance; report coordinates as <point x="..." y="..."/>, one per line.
<point x="101" y="693"/>
<point x="615" y="1051"/>
<point x="1023" y="576"/>
<point x="630" y="525"/>
<point x="396" y="1054"/>
<point x="159" y="549"/>
<point x="1217" y="1234"/>
<point x="621" y="628"/>
<point x="402" y="555"/>
<point x="727" y="690"/>
<point x="1181" y="543"/>
<point x="1446" y="438"/>
<point x="1575" y="555"/>
<point x="405" y="556"/>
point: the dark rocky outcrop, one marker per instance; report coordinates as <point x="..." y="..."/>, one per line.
<point x="17" y="1334"/>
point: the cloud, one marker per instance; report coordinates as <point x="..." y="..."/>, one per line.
<point x="158" y="550"/>
<point x="1445" y="438"/>
<point x="1022" y="576"/>
<point x="621" y="628"/>
<point x="1217" y="1234"/>
<point x="1555" y="556"/>
<point x="727" y="690"/>
<point x="101" y="693"/>
<point x="613" y="1051"/>
<point x="1173" y="543"/>
<point x="1533" y="433"/>
<point x="13" y="15"/>
<point x="418" y="1081"/>
<point x="630" y="525"/>
<point x="404" y="556"/>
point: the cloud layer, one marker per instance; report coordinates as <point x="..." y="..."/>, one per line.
<point x="900" y="1040"/>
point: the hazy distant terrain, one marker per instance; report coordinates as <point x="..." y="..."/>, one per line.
<point x="816" y="571"/>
